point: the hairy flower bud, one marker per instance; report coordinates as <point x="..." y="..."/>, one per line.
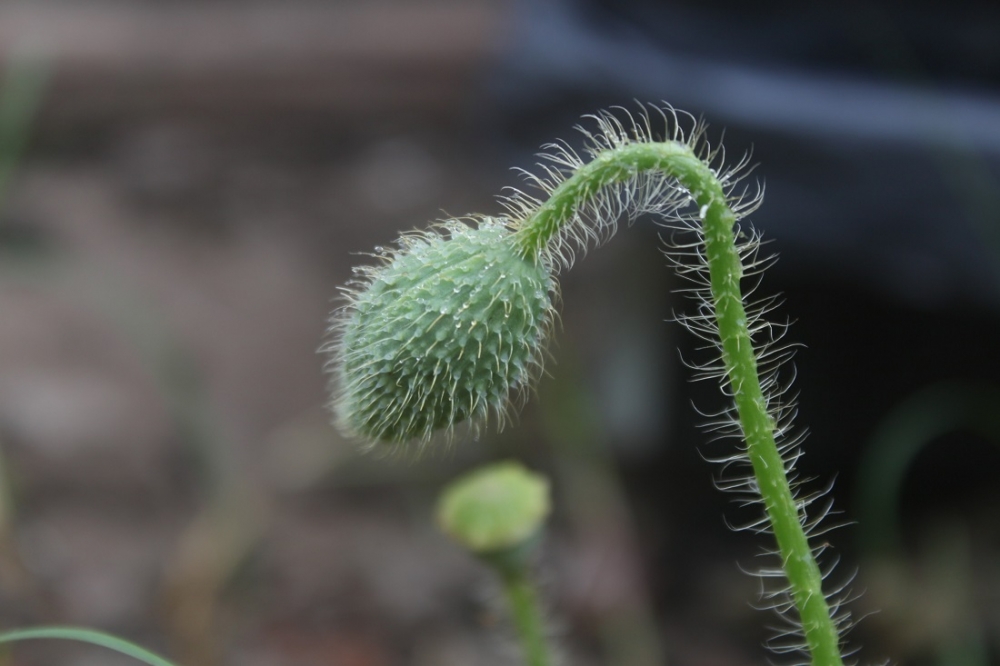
<point x="447" y="328"/>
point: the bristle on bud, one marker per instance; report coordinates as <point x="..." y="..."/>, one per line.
<point x="449" y="327"/>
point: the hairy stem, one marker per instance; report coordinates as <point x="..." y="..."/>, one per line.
<point x="608" y="168"/>
<point x="678" y="160"/>
<point x="758" y="430"/>
<point x="527" y="616"/>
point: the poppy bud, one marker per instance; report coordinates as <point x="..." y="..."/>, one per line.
<point x="449" y="327"/>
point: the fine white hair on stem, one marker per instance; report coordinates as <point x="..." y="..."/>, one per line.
<point x="597" y="215"/>
<point x="628" y="193"/>
<point x="685" y="252"/>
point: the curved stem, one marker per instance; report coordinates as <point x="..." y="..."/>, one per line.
<point x="613" y="166"/>
<point x="725" y="268"/>
<point x="98" y="638"/>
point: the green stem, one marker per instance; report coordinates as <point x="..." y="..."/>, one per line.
<point x="98" y="638"/>
<point x="527" y="616"/>
<point x="608" y="168"/>
<point x="677" y="160"/>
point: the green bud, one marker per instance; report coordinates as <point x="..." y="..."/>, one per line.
<point x="449" y="327"/>
<point x="495" y="508"/>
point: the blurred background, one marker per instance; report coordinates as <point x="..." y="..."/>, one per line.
<point x="185" y="184"/>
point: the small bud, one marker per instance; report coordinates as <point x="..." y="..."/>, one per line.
<point x="494" y="509"/>
<point x="448" y="328"/>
